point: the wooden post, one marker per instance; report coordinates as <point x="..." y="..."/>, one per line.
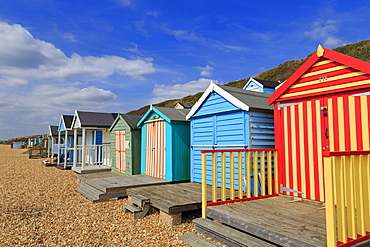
<point x="65" y="148"/>
<point x="74" y="148"/>
<point x="330" y="207"/>
<point x="58" y="152"/>
<point x="204" y="185"/>
<point x="83" y="148"/>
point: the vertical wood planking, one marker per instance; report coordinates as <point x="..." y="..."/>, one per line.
<point x="232" y="177"/>
<point x="214" y="177"/>
<point x="223" y="176"/>
<point x="255" y="173"/>
<point x="240" y="175"/>
<point x="248" y="174"/>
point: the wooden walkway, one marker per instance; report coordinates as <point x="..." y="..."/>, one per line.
<point x="275" y="220"/>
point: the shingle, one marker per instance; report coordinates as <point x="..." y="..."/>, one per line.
<point x="96" y="119"/>
<point x="173" y="113"/>
<point x="68" y="121"/>
<point x="132" y="120"/>
<point x="252" y="99"/>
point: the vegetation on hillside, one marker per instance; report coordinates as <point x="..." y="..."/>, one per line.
<point x="282" y="72"/>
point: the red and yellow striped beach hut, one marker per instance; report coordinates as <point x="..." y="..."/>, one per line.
<point x="322" y="109"/>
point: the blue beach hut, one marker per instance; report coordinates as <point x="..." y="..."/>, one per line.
<point x="229" y="118"/>
<point x="165" y="140"/>
<point x="262" y="86"/>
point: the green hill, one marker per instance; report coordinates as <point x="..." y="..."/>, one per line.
<point x="360" y="50"/>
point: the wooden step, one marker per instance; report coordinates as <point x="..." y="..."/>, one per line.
<point x="227" y="235"/>
<point x="196" y="240"/>
<point x="89" y="192"/>
<point x="139" y="200"/>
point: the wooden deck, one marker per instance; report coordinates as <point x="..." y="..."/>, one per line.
<point x="276" y="220"/>
<point x="172" y="198"/>
<point x="91" y="169"/>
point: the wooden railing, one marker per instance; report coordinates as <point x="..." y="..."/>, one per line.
<point x="236" y="175"/>
<point x="347" y="188"/>
<point x="96" y="155"/>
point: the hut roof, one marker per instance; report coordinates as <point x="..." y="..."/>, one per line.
<point x="243" y="99"/>
<point x="96" y="119"/>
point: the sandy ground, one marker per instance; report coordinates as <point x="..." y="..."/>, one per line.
<point x="39" y="207"/>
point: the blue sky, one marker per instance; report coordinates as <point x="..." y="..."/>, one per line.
<point x="119" y="55"/>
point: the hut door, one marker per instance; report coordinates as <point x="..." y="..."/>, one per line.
<point x="120" y="151"/>
<point x="303" y="132"/>
<point x="155" y="149"/>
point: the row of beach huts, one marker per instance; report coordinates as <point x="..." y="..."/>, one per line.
<point x="306" y="139"/>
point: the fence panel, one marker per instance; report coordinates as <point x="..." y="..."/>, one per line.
<point x="238" y="175"/>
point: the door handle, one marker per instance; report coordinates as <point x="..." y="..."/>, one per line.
<point x="327" y="133"/>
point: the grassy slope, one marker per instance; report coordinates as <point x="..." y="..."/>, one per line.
<point x="360" y="50"/>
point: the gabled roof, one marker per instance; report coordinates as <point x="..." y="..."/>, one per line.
<point x="314" y="58"/>
<point x="53" y="130"/>
<point x="242" y="99"/>
<point x="184" y="105"/>
<point x="263" y="83"/>
<point x="169" y="114"/>
<point x="95" y="119"/>
<point x="131" y="120"/>
<point x="68" y="119"/>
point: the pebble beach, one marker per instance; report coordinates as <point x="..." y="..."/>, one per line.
<point x="40" y="207"/>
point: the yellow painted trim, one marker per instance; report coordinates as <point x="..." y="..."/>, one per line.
<point x="350" y="196"/>
<point x="324" y="71"/>
<point x="365" y="123"/>
<point x="324" y="89"/>
<point x="329" y="79"/>
<point x="320" y="51"/>
<point x="366" y="175"/>
<point x="223" y="176"/>
<point x="341" y="214"/>
<point x="204" y="185"/>
<point x="310" y="151"/>
<point x="352" y="123"/>
<point x="214" y="177"/>
<point x="240" y="175"/>
<point x="286" y="151"/>
<point x="255" y="173"/>
<point x="263" y="176"/>
<point x="319" y="150"/>
<point x="276" y="172"/>
<point x="294" y="148"/>
<point x="341" y="124"/>
<point x="322" y="62"/>
<point x="232" y="173"/>
<point x="359" y="183"/>
<point x="248" y="174"/>
<point x="269" y="172"/>
<point x="302" y="150"/>
<point x="330" y="206"/>
<point x="331" y="124"/>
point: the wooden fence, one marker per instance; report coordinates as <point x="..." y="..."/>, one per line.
<point x="347" y="188"/>
<point x="238" y="175"/>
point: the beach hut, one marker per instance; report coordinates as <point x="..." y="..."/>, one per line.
<point x="93" y="154"/>
<point x="183" y="106"/>
<point x="165" y="144"/>
<point x="323" y="107"/>
<point x="52" y="141"/>
<point x="225" y="118"/>
<point x="66" y="143"/>
<point x="262" y="86"/>
<point x="126" y="144"/>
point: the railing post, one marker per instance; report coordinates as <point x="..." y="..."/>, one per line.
<point x="204" y="184"/>
<point x="330" y="209"/>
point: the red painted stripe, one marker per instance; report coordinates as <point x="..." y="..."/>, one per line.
<point x="278" y="120"/>
<point x="346" y="153"/>
<point x="335" y="91"/>
<point x="324" y="66"/>
<point x="329" y="83"/>
<point x="328" y="74"/>
<point x="306" y="164"/>
<point x="354" y="241"/>
<point x="298" y="146"/>
<point x="240" y="200"/>
<point x="335" y="131"/>
<point x="315" y="133"/>
<point x="347" y="134"/>
<point x="289" y="134"/>
<point x="237" y="150"/>
<point x="358" y="123"/>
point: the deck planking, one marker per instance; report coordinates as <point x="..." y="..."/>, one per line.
<point x="276" y="220"/>
<point x="122" y="183"/>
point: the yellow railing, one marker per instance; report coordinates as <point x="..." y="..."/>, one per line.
<point x="347" y="188"/>
<point x="231" y="175"/>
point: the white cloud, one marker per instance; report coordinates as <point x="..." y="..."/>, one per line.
<point x="324" y="31"/>
<point x="166" y="92"/>
<point x="185" y="35"/>
<point x="26" y="57"/>
<point x="70" y="37"/>
<point x="205" y="71"/>
<point x="12" y="82"/>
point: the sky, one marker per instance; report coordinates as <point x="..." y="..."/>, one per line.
<point x="120" y="55"/>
